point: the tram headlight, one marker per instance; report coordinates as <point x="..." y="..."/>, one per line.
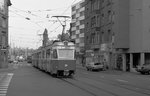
<point x="66" y="65"/>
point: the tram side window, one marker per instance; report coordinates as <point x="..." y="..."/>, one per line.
<point x="54" y="53"/>
<point x="48" y="53"/>
<point x="43" y="54"/>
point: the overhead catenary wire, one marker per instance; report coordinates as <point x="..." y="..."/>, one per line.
<point x="31" y="11"/>
<point x="27" y="18"/>
<point x="65" y="11"/>
<point x="54" y="21"/>
<point x="68" y="7"/>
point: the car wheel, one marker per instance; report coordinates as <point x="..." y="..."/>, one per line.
<point x="142" y="72"/>
<point x="87" y="69"/>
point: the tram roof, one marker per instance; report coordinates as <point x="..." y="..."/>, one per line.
<point x="55" y="44"/>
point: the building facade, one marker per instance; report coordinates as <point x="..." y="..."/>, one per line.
<point x="98" y="30"/>
<point x="117" y="32"/>
<point x="4" y="33"/>
<point x="77" y="28"/>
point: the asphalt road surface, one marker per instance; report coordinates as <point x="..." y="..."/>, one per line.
<point x="26" y="80"/>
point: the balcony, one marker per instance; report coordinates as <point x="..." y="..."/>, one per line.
<point x="82" y="9"/>
<point x="73" y="28"/>
<point x="73" y="37"/>
<point x="81" y="26"/>
<point x="81" y="35"/>
<point x="77" y="40"/>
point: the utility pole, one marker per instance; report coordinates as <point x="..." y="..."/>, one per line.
<point x="63" y="24"/>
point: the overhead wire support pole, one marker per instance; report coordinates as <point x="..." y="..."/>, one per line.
<point x="63" y="25"/>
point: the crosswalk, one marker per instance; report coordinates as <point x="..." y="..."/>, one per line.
<point x="5" y="79"/>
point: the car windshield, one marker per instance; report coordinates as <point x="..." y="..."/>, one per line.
<point x="97" y="64"/>
<point x="66" y="53"/>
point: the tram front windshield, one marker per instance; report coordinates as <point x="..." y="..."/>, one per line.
<point x="65" y="53"/>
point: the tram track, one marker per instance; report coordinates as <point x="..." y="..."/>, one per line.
<point x="71" y="82"/>
<point x="83" y="89"/>
<point x="129" y="87"/>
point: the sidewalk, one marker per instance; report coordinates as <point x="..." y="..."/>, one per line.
<point x="6" y="70"/>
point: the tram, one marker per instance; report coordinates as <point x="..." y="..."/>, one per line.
<point x="57" y="58"/>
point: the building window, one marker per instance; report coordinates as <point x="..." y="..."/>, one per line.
<point x="109" y="2"/>
<point x="77" y="27"/>
<point x="87" y="24"/>
<point x="82" y="13"/>
<point x="82" y="40"/>
<point x="73" y="16"/>
<point x="93" y="38"/>
<point x="109" y="36"/>
<point x="81" y="30"/>
<point x="97" y="38"/>
<point x="4" y="22"/>
<point x="103" y="15"/>
<point x="2" y="6"/>
<point x="102" y="37"/>
<point x="93" y="21"/>
<point x="74" y="8"/>
<point x="77" y="36"/>
<point x="73" y="24"/>
<point x="87" y="39"/>
<point x="81" y="22"/>
<point x="82" y="4"/>
<point x="3" y="39"/>
<point x="103" y="1"/>
<point x="73" y="32"/>
<point x="77" y="44"/>
<point x="98" y="20"/>
<point x="109" y="15"/>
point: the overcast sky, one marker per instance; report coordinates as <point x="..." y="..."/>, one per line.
<point x="28" y="18"/>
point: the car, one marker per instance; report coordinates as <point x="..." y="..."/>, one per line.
<point x="15" y="62"/>
<point x="94" y="66"/>
<point x="143" y="69"/>
<point x="10" y="61"/>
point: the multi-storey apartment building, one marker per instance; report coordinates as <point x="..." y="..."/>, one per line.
<point x="4" y="32"/>
<point x="98" y="30"/>
<point x="77" y="26"/>
<point x="122" y="35"/>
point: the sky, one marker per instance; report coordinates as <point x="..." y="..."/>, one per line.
<point x="29" y="18"/>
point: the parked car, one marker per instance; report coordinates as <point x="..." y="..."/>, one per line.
<point x="143" y="69"/>
<point x="94" y="66"/>
<point x="15" y="62"/>
<point x="10" y="61"/>
<point x="29" y="59"/>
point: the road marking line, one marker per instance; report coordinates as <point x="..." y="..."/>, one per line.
<point x="3" y="89"/>
<point x="4" y="83"/>
<point x="85" y="73"/>
<point x="120" y="80"/>
<point x="2" y="94"/>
